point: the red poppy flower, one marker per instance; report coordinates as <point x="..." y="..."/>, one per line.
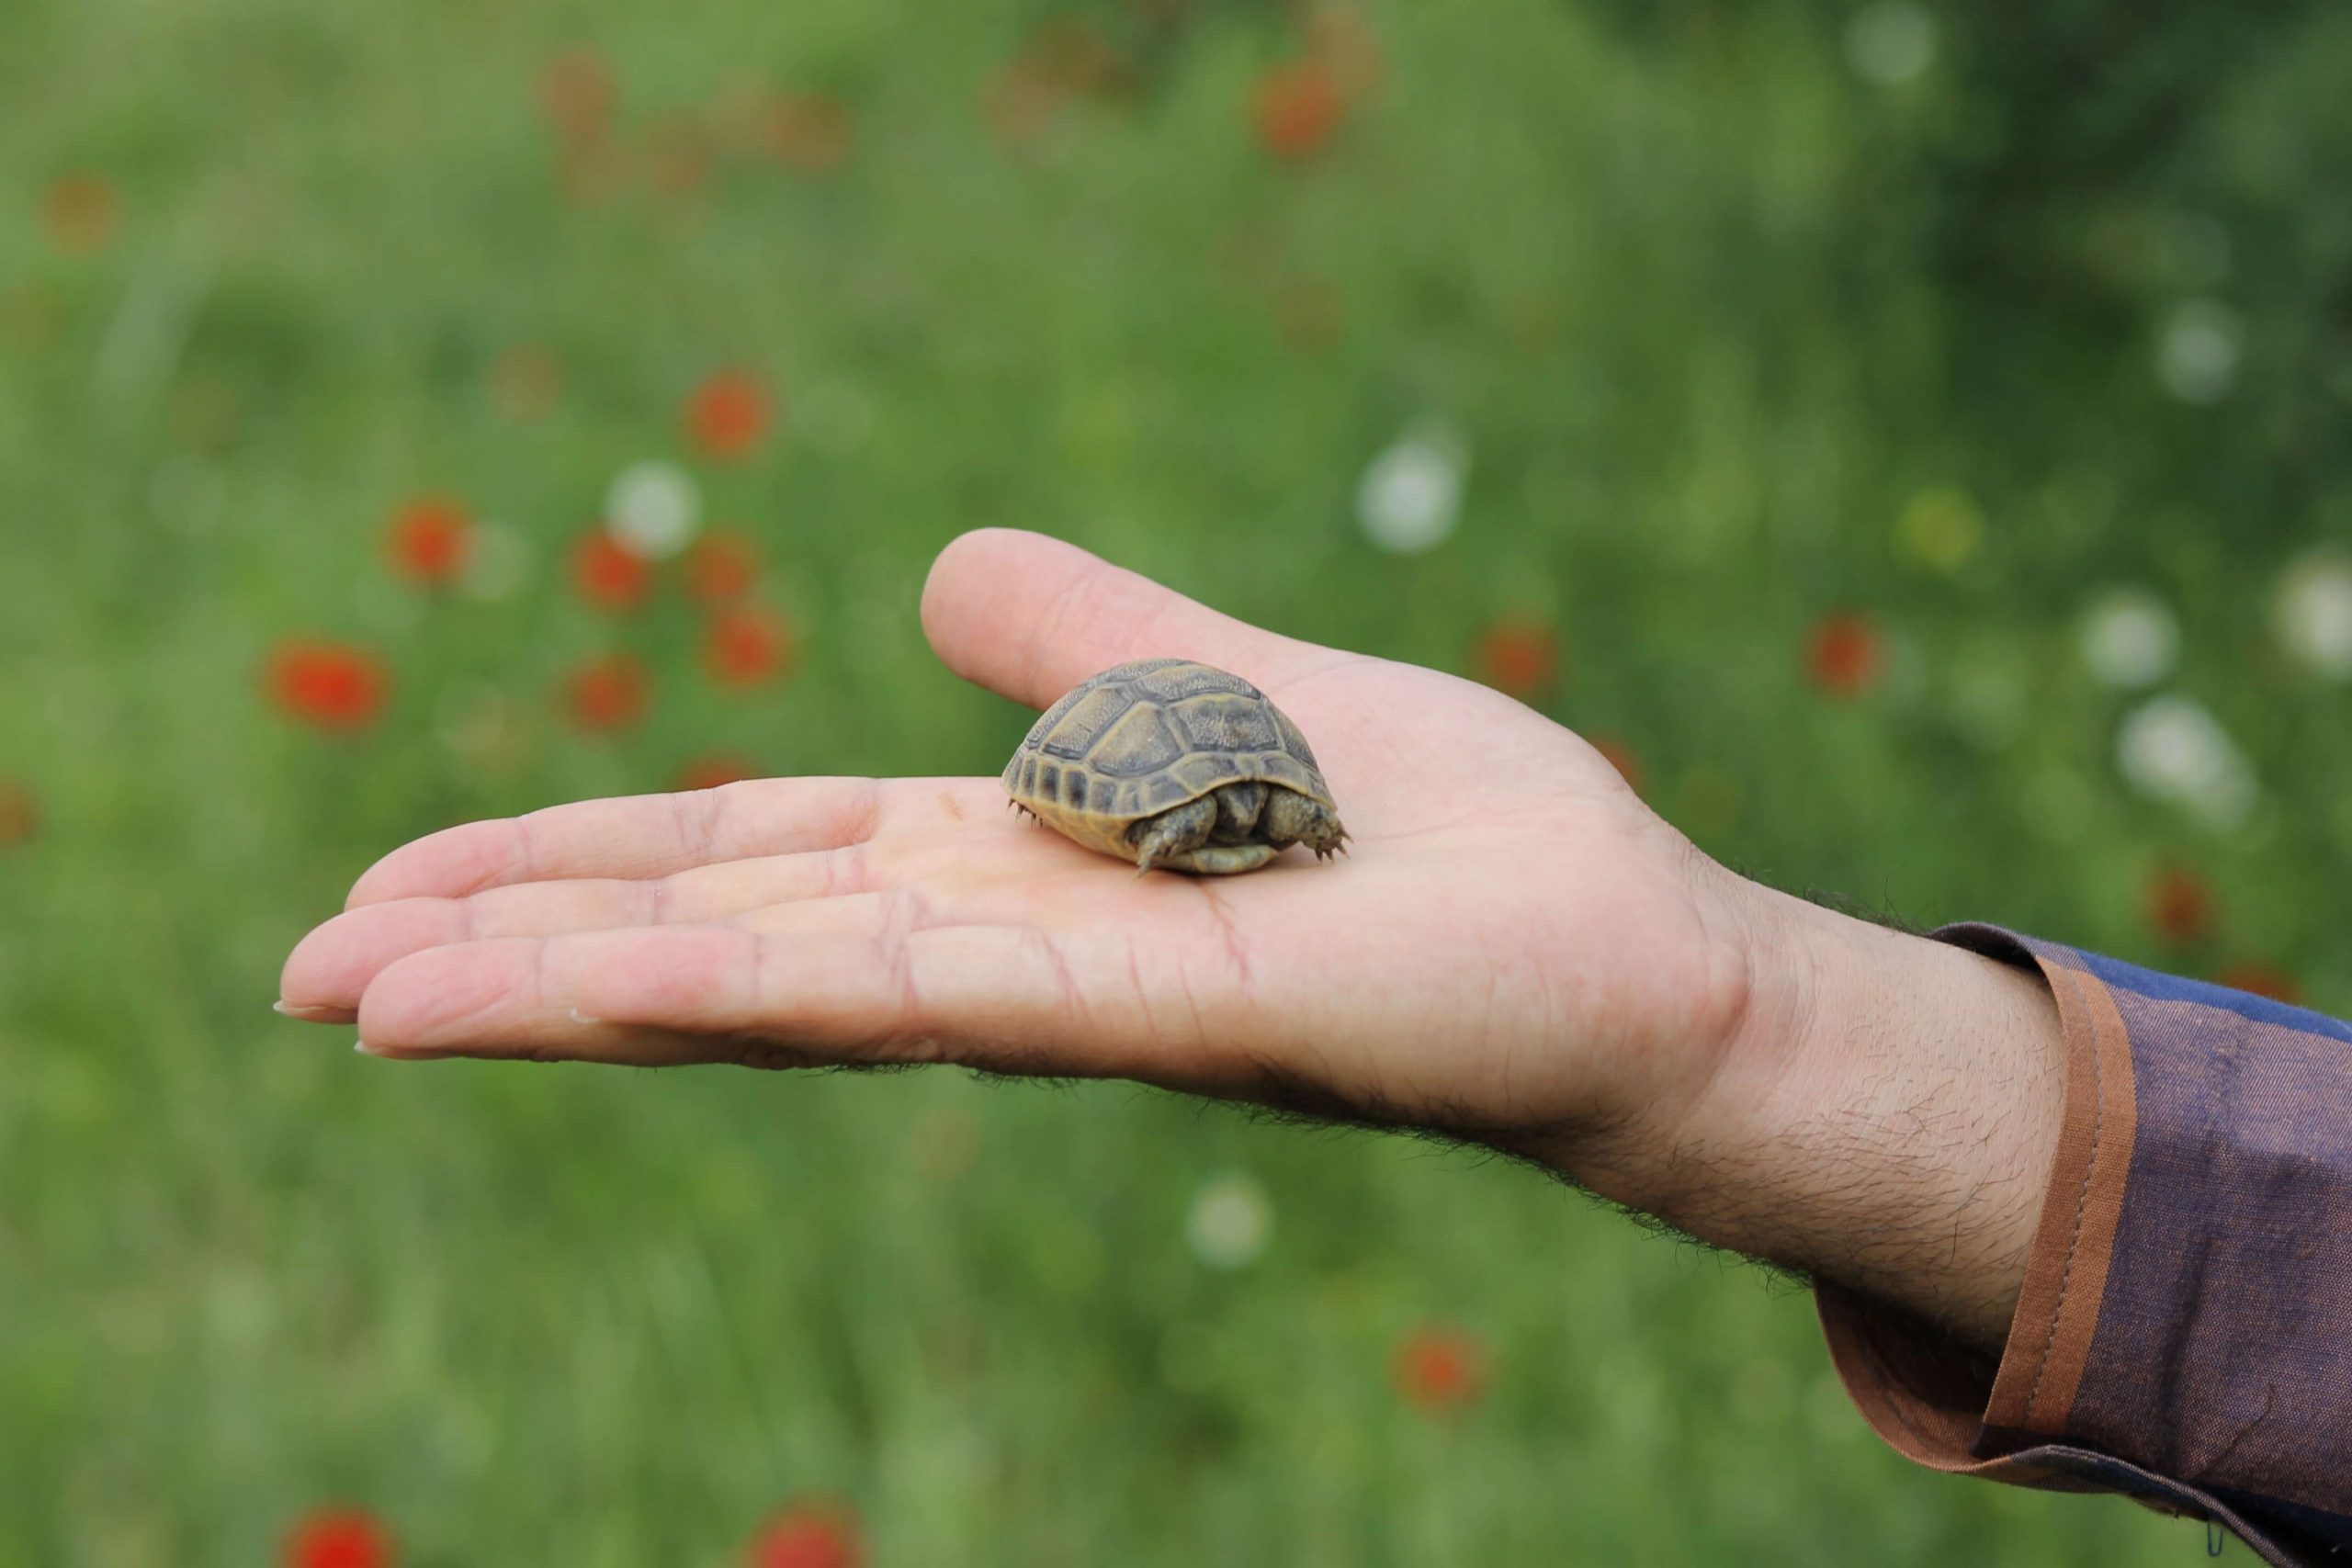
<point x="576" y="95"/>
<point x="810" y="133"/>
<point x="1844" y="654"/>
<point x="608" y="575"/>
<point x="610" y="692"/>
<point x="722" y="567"/>
<point x="744" y="647"/>
<point x="808" y="1535"/>
<point x="81" y="213"/>
<point x="19" y="814"/>
<point x="2263" y="980"/>
<point x="339" y="1538"/>
<point x="2180" y="905"/>
<point x="428" y="540"/>
<point x="1520" y="657"/>
<point x="1440" y="1368"/>
<point x="327" y="686"/>
<point x="1621" y="757"/>
<point x="1299" y="108"/>
<point x="727" y="414"/>
<point x="525" y="381"/>
<point x="718" y="768"/>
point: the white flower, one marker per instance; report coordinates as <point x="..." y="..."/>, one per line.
<point x="1410" y="496"/>
<point x="1229" y="1222"/>
<point x="2130" y="638"/>
<point x="497" y="560"/>
<point x="2197" y="351"/>
<point x="2312" y="613"/>
<point x="653" y="509"/>
<point x="1891" y="41"/>
<point x="2172" y="750"/>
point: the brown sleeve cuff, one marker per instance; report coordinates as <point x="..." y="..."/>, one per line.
<point x="1949" y="1409"/>
<point x="2182" y="1344"/>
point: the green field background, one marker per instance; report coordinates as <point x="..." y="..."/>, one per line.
<point x="1739" y="326"/>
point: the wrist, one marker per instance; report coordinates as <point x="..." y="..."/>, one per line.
<point x="1884" y="1115"/>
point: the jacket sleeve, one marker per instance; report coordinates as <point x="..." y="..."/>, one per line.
<point x="2185" y="1331"/>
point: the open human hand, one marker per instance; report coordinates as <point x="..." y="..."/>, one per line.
<point x="1512" y="926"/>
<point x="1519" y="951"/>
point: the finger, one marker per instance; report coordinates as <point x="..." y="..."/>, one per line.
<point x="1009" y="998"/>
<point x="634" y="835"/>
<point x="328" y="970"/>
<point x="837" y="991"/>
<point x="1029" y="617"/>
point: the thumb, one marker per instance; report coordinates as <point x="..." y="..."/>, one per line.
<point x="1029" y="617"/>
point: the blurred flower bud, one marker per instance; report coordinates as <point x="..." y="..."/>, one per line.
<point x="2129" y="638"/>
<point x="1410" y="496"/>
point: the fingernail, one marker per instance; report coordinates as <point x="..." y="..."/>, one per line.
<point x="361" y="1046"/>
<point x="579" y="1017"/>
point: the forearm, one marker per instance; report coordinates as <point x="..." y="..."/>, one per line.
<point x="1885" y="1118"/>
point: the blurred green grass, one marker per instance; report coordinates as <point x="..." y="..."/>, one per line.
<point x="1714" y="310"/>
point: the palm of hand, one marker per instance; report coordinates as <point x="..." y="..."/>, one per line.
<point x="1515" y="943"/>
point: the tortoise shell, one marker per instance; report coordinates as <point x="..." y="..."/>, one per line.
<point x="1149" y="735"/>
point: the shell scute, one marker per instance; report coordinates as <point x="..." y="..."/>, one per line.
<point x="1228" y="723"/>
<point x="1139" y="743"/>
<point x="1203" y="770"/>
<point x="1076" y="731"/>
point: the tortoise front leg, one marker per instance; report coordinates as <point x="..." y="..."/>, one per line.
<point x="1175" y="833"/>
<point x="1291" y="817"/>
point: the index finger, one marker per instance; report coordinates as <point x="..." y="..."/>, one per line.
<point x="628" y="836"/>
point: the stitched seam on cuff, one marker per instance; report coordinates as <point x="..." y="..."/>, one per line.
<point x="2081" y="1201"/>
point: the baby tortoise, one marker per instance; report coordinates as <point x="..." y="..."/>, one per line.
<point x="1173" y="764"/>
